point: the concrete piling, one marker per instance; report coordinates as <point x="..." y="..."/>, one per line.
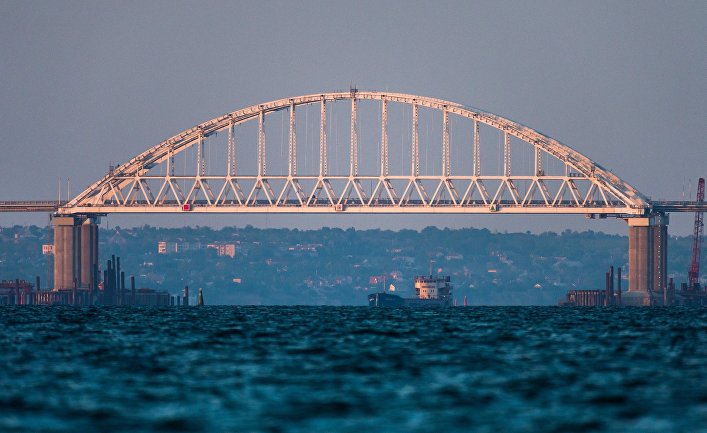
<point x="122" y="288"/>
<point x="607" y="289"/>
<point x="647" y="252"/>
<point x="618" y="287"/>
<point x="75" y="251"/>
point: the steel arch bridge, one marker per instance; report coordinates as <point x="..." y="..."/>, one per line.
<point x="472" y="172"/>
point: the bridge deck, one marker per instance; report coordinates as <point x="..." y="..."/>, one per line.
<point x="262" y="206"/>
<point x="679" y="206"/>
<point x="31" y="206"/>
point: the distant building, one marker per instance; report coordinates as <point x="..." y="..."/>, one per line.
<point x="167" y="247"/>
<point x="376" y="279"/>
<point x="48" y="249"/>
<point x="164" y="247"/>
<point x="224" y="249"/>
<point x="171" y="247"/>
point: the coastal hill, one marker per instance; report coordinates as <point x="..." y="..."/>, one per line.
<point x="332" y="266"/>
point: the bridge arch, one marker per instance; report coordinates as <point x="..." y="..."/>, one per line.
<point x="584" y="188"/>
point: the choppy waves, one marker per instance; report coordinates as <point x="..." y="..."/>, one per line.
<point x="353" y="369"/>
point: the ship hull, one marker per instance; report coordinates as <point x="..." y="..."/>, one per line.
<point x="390" y="300"/>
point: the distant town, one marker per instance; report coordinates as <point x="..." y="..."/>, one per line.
<point x="333" y="266"/>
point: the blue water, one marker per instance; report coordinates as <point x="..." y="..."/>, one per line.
<point x="353" y="369"/>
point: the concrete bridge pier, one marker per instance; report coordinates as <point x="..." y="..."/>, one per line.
<point x="75" y="252"/>
<point x="647" y="260"/>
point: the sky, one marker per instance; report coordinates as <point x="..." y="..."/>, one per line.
<point x="86" y="84"/>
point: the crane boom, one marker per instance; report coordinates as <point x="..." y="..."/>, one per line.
<point x="693" y="274"/>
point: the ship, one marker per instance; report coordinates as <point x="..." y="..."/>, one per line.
<point x="430" y="292"/>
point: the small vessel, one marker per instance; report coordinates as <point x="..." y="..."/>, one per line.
<point x="430" y="292"/>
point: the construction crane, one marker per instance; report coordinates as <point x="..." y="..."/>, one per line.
<point x="693" y="275"/>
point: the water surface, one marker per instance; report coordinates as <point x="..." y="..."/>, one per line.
<point x="353" y="369"/>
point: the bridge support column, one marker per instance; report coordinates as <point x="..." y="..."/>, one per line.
<point x="64" y="248"/>
<point x="89" y="253"/>
<point x="75" y="252"/>
<point x="647" y="260"/>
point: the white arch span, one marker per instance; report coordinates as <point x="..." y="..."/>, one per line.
<point x="126" y="190"/>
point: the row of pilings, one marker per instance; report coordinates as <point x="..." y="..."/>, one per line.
<point x="111" y="291"/>
<point x="597" y="298"/>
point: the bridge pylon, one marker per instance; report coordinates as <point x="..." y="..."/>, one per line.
<point x="75" y="251"/>
<point x="647" y="261"/>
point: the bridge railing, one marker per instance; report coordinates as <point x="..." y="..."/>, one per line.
<point x="32" y="202"/>
<point x="31" y="206"/>
<point x="679" y="206"/>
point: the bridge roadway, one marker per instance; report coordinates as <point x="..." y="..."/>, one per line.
<point x="52" y="206"/>
<point x="678" y="206"/>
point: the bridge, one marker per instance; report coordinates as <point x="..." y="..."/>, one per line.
<point x="579" y="186"/>
<point x="361" y="152"/>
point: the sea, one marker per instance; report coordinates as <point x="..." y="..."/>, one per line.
<point x="352" y="369"/>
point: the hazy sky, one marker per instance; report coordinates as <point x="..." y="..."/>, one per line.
<point x="86" y="83"/>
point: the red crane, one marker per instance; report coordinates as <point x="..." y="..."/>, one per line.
<point x="693" y="275"/>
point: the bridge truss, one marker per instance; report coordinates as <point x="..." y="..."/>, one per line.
<point x="493" y="165"/>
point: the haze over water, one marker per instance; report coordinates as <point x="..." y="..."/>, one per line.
<point x="353" y="369"/>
